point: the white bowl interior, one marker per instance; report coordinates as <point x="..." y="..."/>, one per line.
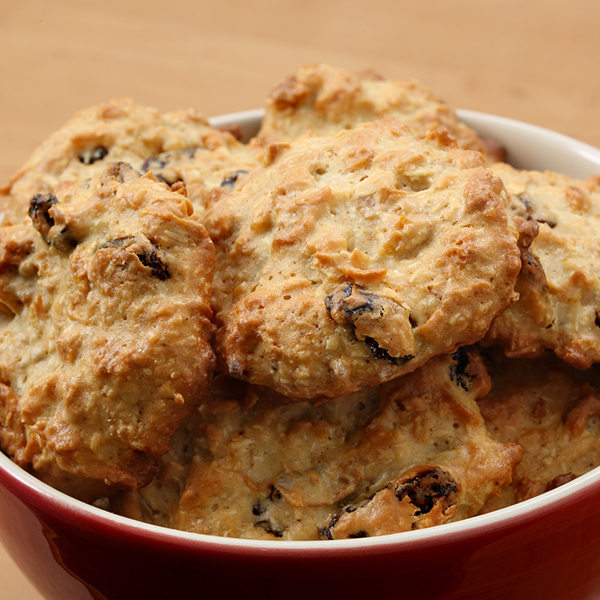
<point x="528" y="147"/>
<point x="535" y="148"/>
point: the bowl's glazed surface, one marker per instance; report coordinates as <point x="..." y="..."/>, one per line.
<point x="547" y="547"/>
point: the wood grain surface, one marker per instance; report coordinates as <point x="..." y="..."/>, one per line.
<point x="531" y="60"/>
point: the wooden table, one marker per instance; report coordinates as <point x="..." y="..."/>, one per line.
<point x="535" y="61"/>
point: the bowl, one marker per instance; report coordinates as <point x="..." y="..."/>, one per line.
<point x="546" y="547"/>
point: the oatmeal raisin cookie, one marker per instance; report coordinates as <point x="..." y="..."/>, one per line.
<point x="105" y="330"/>
<point x="326" y="99"/>
<point x="351" y="259"/>
<point x="175" y="146"/>
<point x="559" y="284"/>
<point x="409" y="454"/>
<point x="552" y="411"/>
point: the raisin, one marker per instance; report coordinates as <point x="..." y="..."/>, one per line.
<point x="351" y="306"/>
<point x="64" y="241"/>
<point x="258" y="509"/>
<point x="163" y="165"/>
<point x="536" y="212"/>
<point x="92" y="155"/>
<point x="382" y="354"/>
<point x="274" y="494"/>
<point x="230" y="181"/>
<point x="122" y="172"/>
<point x="327" y="532"/>
<point x="349" y="300"/>
<point x="155" y="163"/>
<point x="359" y="534"/>
<point x="427" y="488"/>
<point x="458" y="371"/>
<point x="267" y="526"/>
<point x="149" y="258"/>
<point x="39" y="207"/>
<point x="560" y="480"/>
<point x="119" y="242"/>
<point x="145" y="251"/>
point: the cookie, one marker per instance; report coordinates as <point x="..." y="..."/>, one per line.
<point x="105" y="330"/>
<point x="559" y="286"/>
<point x="326" y="99"/>
<point x="348" y="260"/>
<point x="156" y="501"/>
<point x="550" y="410"/>
<point x="408" y="454"/>
<point x="176" y="146"/>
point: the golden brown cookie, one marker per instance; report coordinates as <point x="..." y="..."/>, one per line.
<point x="176" y="146"/>
<point x="326" y="99"/>
<point x="350" y="259"/>
<point x="559" y="286"/>
<point x="550" y="410"/>
<point x="105" y="330"/>
<point x="409" y="454"/>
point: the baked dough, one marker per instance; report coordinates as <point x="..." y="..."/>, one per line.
<point x="553" y="412"/>
<point x="348" y="260"/>
<point x="408" y="454"/>
<point x="325" y="99"/>
<point x="559" y="285"/>
<point x="175" y="146"/>
<point x="104" y="330"/>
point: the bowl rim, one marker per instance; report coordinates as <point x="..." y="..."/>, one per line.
<point x="43" y="498"/>
<point x="46" y="500"/>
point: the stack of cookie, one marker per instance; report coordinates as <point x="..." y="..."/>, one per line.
<point x="362" y="321"/>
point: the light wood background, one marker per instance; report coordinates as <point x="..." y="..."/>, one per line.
<point x="533" y="60"/>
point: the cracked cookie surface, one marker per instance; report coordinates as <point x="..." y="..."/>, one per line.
<point x="350" y="259"/>
<point x="325" y="99"/>
<point x="409" y="454"/>
<point x="559" y="285"/>
<point x="104" y="330"/>
<point x="552" y="411"/>
<point x="175" y="146"/>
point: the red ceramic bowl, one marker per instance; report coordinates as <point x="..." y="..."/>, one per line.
<point x="545" y="548"/>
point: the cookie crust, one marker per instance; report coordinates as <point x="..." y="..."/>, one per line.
<point x="552" y="411"/>
<point x="559" y="285"/>
<point x="177" y="146"/>
<point x="325" y="99"/>
<point x="351" y="259"/>
<point x="409" y="454"/>
<point x="105" y="332"/>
